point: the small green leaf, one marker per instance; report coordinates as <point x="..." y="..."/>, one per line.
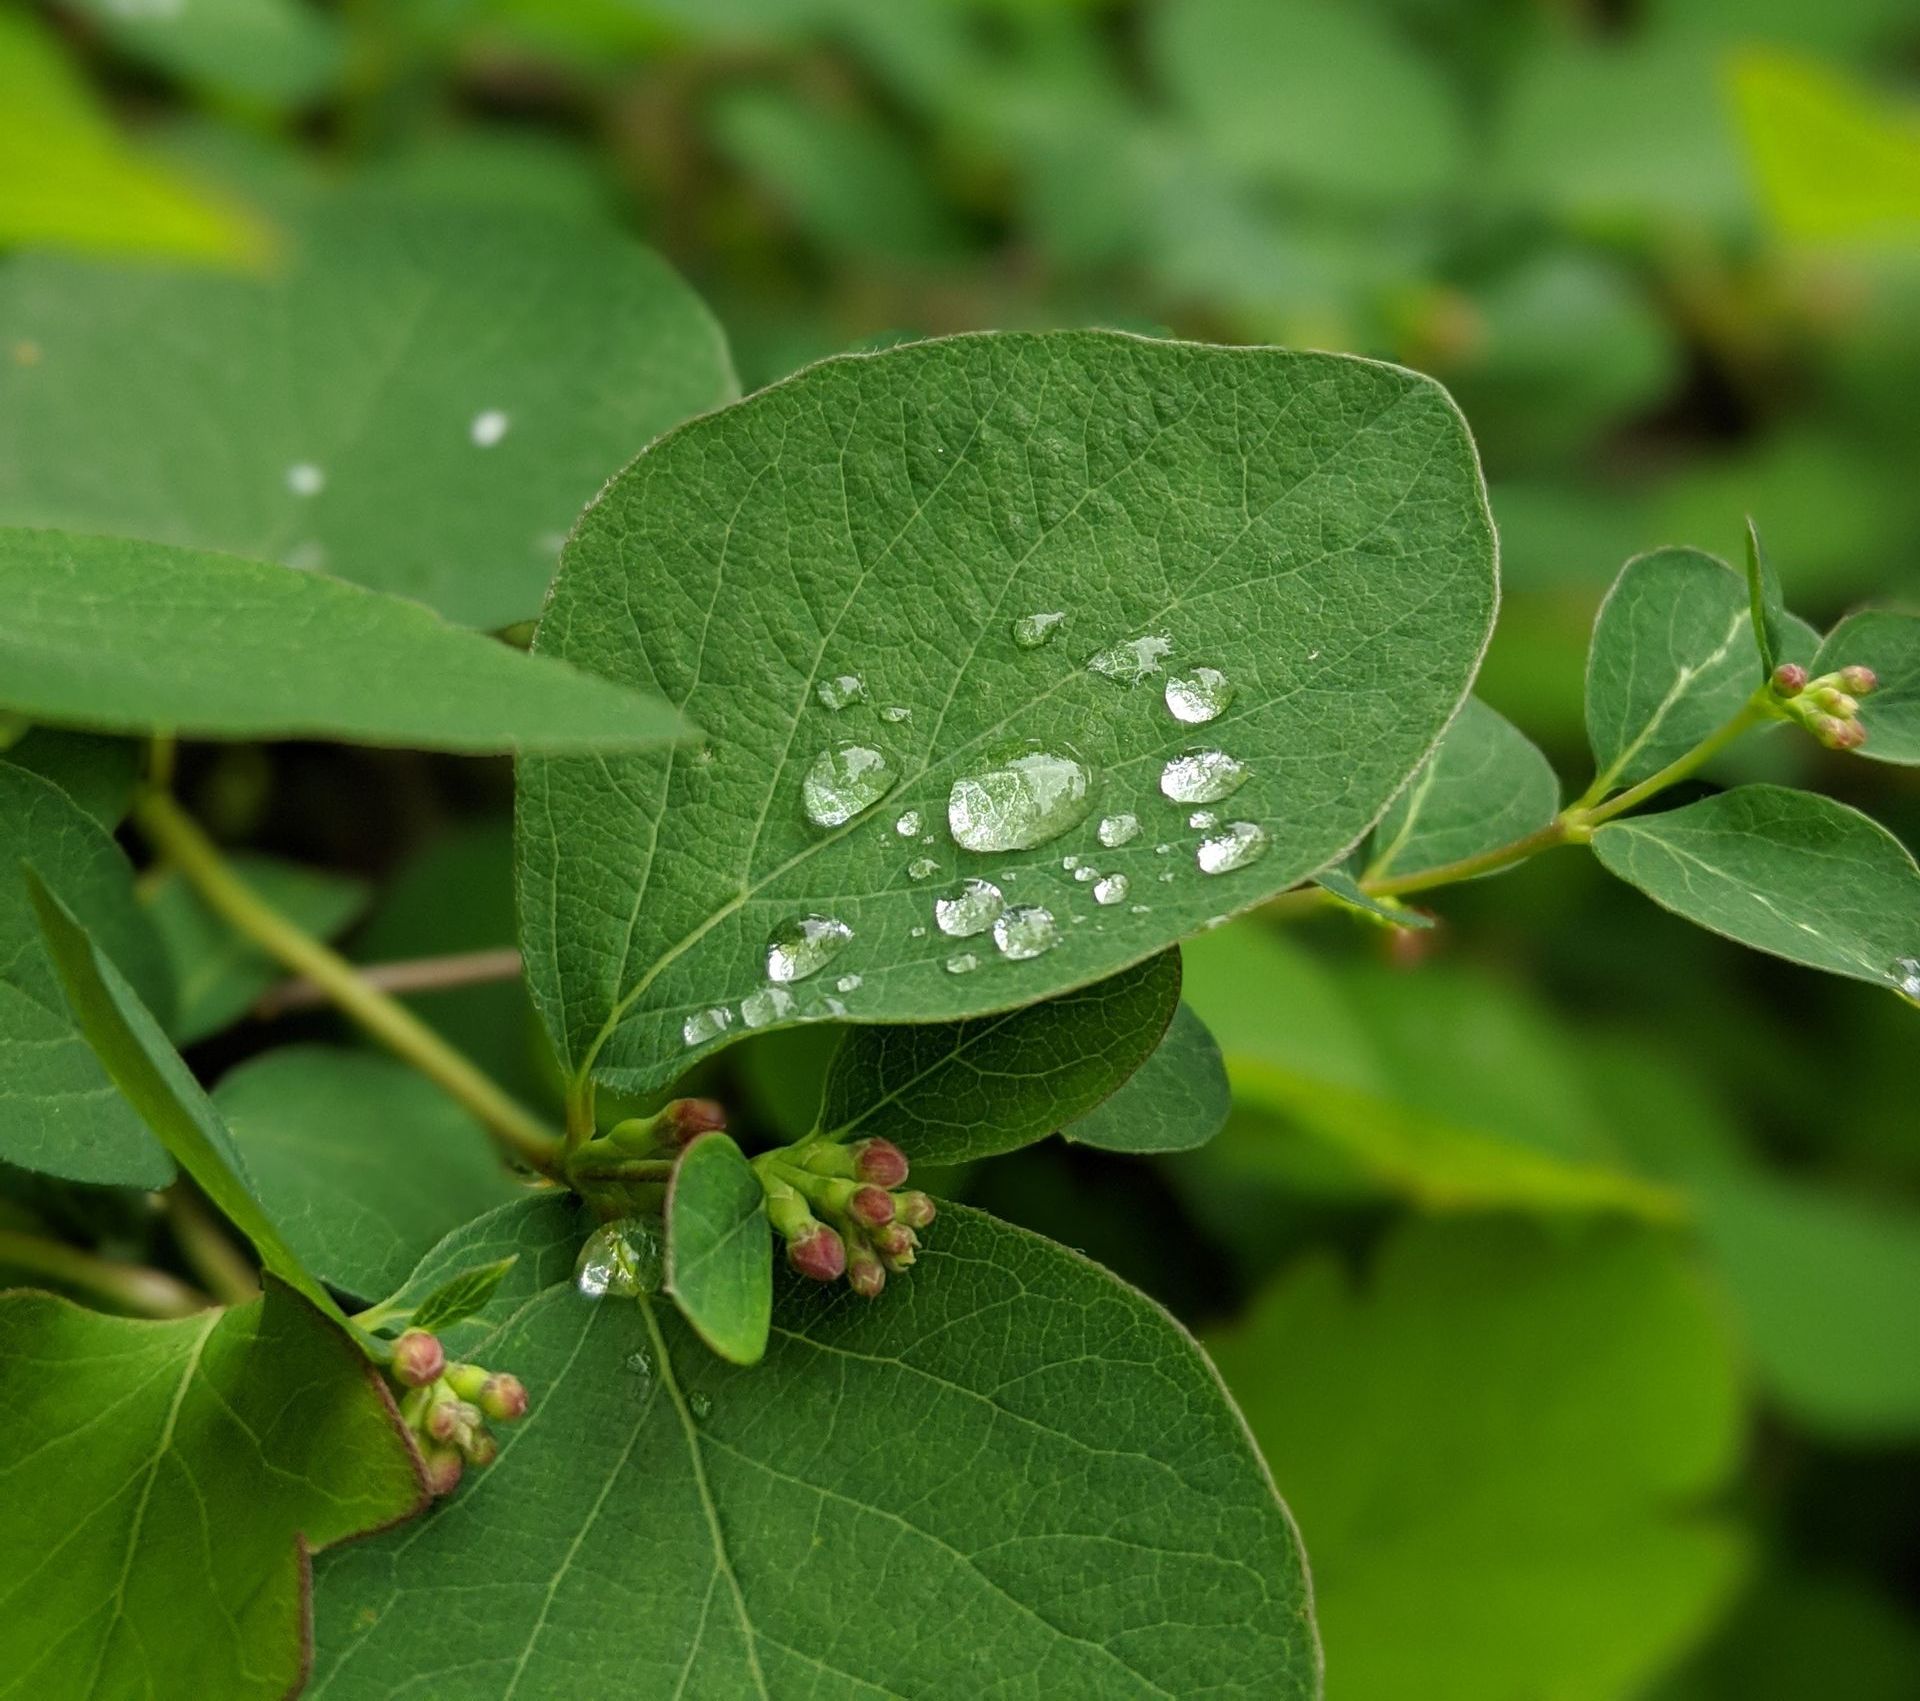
<point x="59" y="1113"/>
<point x="218" y="972"/>
<point x="363" y="1163"/>
<point x="1176" y="1100"/>
<point x="1766" y="608"/>
<point x="946" y="1092"/>
<point x="1486" y="785"/>
<point x="162" y="1485"/>
<point x="719" y="1248"/>
<point x="1010" y="1447"/>
<point x="1787" y="872"/>
<point x="99" y="774"/>
<point x="1350" y="892"/>
<point x="465" y="1296"/>
<point x="137" y="637"/>
<point x="1889" y="643"/>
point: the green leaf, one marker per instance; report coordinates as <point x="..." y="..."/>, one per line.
<point x="362" y="1163"/>
<point x="1176" y="1100"/>
<point x="421" y="399"/>
<point x="1888" y="643"/>
<point x="465" y="1296"/>
<point x="1671" y="661"/>
<point x="1485" y="786"/>
<point x="1498" y="1456"/>
<point x="1310" y="526"/>
<point x="1343" y="886"/>
<point x="124" y="636"/>
<point x="59" y="1113"/>
<point x="1766" y="607"/>
<point x="161" y="1488"/>
<point x="1784" y="871"/>
<point x="946" y="1092"/>
<point x="1012" y="1453"/>
<point x="719" y="1248"/>
<point x="98" y="774"/>
<point x="218" y="972"/>
<point x="277" y="52"/>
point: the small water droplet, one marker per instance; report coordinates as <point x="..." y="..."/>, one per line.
<point x="1906" y="977"/>
<point x="700" y="1405"/>
<point x="839" y="691"/>
<point x="704" y="1025"/>
<point x="306" y="479"/>
<point x="1133" y="659"/>
<point x="845" y="781"/>
<point x="769" y="1004"/>
<point x="1085" y="872"/>
<point x="1117" y="830"/>
<point x="834" y="1007"/>
<point x="620" y="1259"/>
<point x="638" y="1364"/>
<point x="1110" y="890"/>
<point x="1166" y="878"/>
<point x="1204" y="820"/>
<point x="894" y="713"/>
<point x="908" y="824"/>
<point x="1030" y="631"/>
<point x="971" y="907"/>
<point x="847" y="983"/>
<point x="1069" y="862"/>
<point x="804" y="946"/>
<point x="1199" y="696"/>
<point x="1025" y="931"/>
<point x="962" y="963"/>
<point x="1139" y="909"/>
<point x="488" y="428"/>
<point x="1019" y="803"/>
<point x="916" y="933"/>
<point x="1202" y="776"/>
<point x="1161" y="850"/>
<point x="1242" y="842"/>
<point x="922" y="868"/>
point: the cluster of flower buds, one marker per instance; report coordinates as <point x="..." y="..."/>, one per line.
<point x="1828" y="707"/>
<point x="446" y="1406"/>
<point x="843" y="1211"/>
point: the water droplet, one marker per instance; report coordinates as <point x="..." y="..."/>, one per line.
<point x="1161" y="850"/>
<point x="1020" y="803"/>
<point x="488" y="428"/>
<point x="1025" y="931"/>
<point x="834" y="1007"/>
<point x="971" y="907"/>
<point x="620" y="1259"/>
<point x="1139" y="909"/>
<point x="1906" y="977"/>
<point x="916" y="933"/>
<point x="638" y="1364"/>
<point x="847" y="983"/>
<point x="839" y="691"/>
<point x="1203" y="820"/>
<point x="962" y="963"/>
<point x="1030" y="631"/>
<point x="908" y="824"/>
<point x="894" y="713"/>
<point x="1085" y="872"/>
<point x="1131" y="660"/>
<point x="1202" y="776"/>
<point x="1069" y="862"/>
<point x="845" y="781"/>
<point x="1167" y="878"/>
<point x="700" y="1405"/>
<point x="804" y="946"/>
<point x="922" y="868"/>
<point x="1110" y="890"/>
<point x="704" y="1025"/>
<point x="1117" y="830"/>
<point x="1242" y="842"/>
<point x="1199" y="696"/>
<point x="769" y="1004"/>
<point x="305" y="479"/>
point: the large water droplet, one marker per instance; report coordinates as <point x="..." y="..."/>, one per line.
<point x="1117" y="830"/>
<point x="488" y="428"/>
<point x="1025" y="931"/>
<point x="804" y="946"/>
<point x="620" y="1259"/>
<point x="1020" y="803"/>
<point x="962" y="963"/>
<point x="1906" y="977"/>
<point x="1241" y="843"/>
<point x="306" y="479"/>
<point x="1110" y="890"/>
<point x="971" y="907"/>
<point x="840" y="690"/>
<point x="769" y="1004"/>
<point x="1030" y="631"/>
<point x="1133" y="659"/>
<point x="1202" y="776"/>
<point x="845" y="781"/>
<point x="1199" y="696"/>
<point x="922" y="868"/>
<point x="704" y="1025"/>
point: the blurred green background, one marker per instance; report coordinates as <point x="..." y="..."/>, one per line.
<point x="1565" y="1260"/>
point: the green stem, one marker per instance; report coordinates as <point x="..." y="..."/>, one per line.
<point x="132" y="1288"/>
<point x="180" y="839"/>
<point x="208" y="1252"/>
<point x="1750" y="716"/>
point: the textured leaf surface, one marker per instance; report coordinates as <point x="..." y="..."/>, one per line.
<point x="161" y="1488"/>
<point x="949" y="1091"/>
<point x="421" y="399"/>
<point x="1497" y="1455"/>
<point x="1766" y="606"/>
<point x="466" y="1295"/>
<point x="99" y="774"/>
<point x="1310" y="526"/>
<point x="59" y="1113"/>
<point x="1176" y="1100"/>
<point x="1888" y="643"/>
<point x="1030" y="1465"/>
<point x="362" y="1163"/>
<point x="719" y="1249"/>
<point x="126" y="636"/>
<point x="1788" y="872"/>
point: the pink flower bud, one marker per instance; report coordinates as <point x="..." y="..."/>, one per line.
<point x="685" y="1119"/>
<point x="880" y="1162"/>
<point x="818" y="1254"/>
<point x="1850" y="736"/>
<point x="913" y="1208"/>
<point x="1859" y="680"/>
<point x="503" y="1398"/>
<point x="450" y="1420"/>
<point x="865" y="1273"/>
<point x="895" y="1243"/>
<point x="444" y="1466"/>
<point x="1789" y="679"/>
<point x="480" y="1448"/>
<point x="1830" y="732"/>
<point x="418" y="1358"/>
<point x="871" y="1205"/>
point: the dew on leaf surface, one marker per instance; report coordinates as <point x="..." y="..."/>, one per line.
<point x="704" y="1025"/>
<point x="847" y="983"/>
<point x="971" y="907"/>
<point x="700" y="1406"/>
<point x="1025" y="931"/>
<point x="1025" y="801"/>
<point x="638" y="1364"/>
<point x="1117" y="830"/>
<point x="908" y="824"/>
<point x="769" y="1004"/>
<point x="1111" y="889"/>
<point x="1069" y="862"/>
<point x="620" y="1259"/>
<point x="488" y="428"/>
<point x="1202" y="776"/>
<point x="962" y="963"/>
<point x="840" y="690"/>
<point x="1085" y="872"/>
<point x="805" y="945"/>
<point x="1132" y="659"/>
<point x="894" y="713"/>
<point x="1204" y="820"/>
<point x="1906" y="977"/>
<point x="1030" y="631"/>
<point x="922" y="868"/>
<point x="1241" y="843"/>
<point x="1199" y="696"/>
<point x="845" y="780"/>
<point x="305" y="479"/>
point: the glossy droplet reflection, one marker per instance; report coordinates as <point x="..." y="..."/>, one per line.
<point x="804" y="946"/>
<point x="1110" y="889"/>
<point x="770" y="1004"/>
<point x="305" y="479"/>
<point x="1025" y="931"/>
<point x="704" y="1025"/>
<point x="1030" y="631"/>
<point x="1116" y="830"/>
<point x="844" y="781"/>
<point x="843" y="688"/>
<point x="1199" y="696"/>
<point x="1202" y="776"/>
<point x="1906" y="977"/>
<point x="962" y="963"/>
<point x="1203" y="820"/>
<point x="620" y="1259"/>
<point x="1019" y="803"/>
<point x="1131" y="660"/>
<point x="488" y="428"/>
<point x="908" y="824"/>
<point x="1242" y="842"/>
<point x="922" y="868"/>
<point x="971" y="907"/>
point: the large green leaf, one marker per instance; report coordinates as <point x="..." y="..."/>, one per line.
<point x="1788" y="872"/>
<point x="162" y="1486"/>
<point x="1176" y="1100"/>
<point x="422" y="399"/>
<point x="1011" y="1474"/>
<point x="1889" y="643"/>
<point x="1497" y="1455"/>
<point x="946" y="1092"/>
<point x="362" y="1163"/>
<point x="719" y="1249"/>
<point x="127" y="636"/>
<point x="59" y="1113"/>
<point x="1311" y="527"/>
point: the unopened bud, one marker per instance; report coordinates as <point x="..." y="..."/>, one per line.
<point x="503" y="1398"/>
<point x="467" y="1380"/>
<point x="480" y="1447"/>
<point x="913" y="1208"/>
<point x="1861" y="681"/>
<point x="1789" y="679"/>
<point x="452" y="1420"/>
<point x="444" y="1466"/>
<point x="871" y="1205"/>
<point x="819" y="1254"/>
<point x="880" y="1162"/>
<point x="418" y="1358"/>
<point x="895" y="1243"/>
<point x="685" y="1119"/>
<point x="1834" y="702"/>
<point x="1851" y="736"/>
<point x="866" y="1275"/>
